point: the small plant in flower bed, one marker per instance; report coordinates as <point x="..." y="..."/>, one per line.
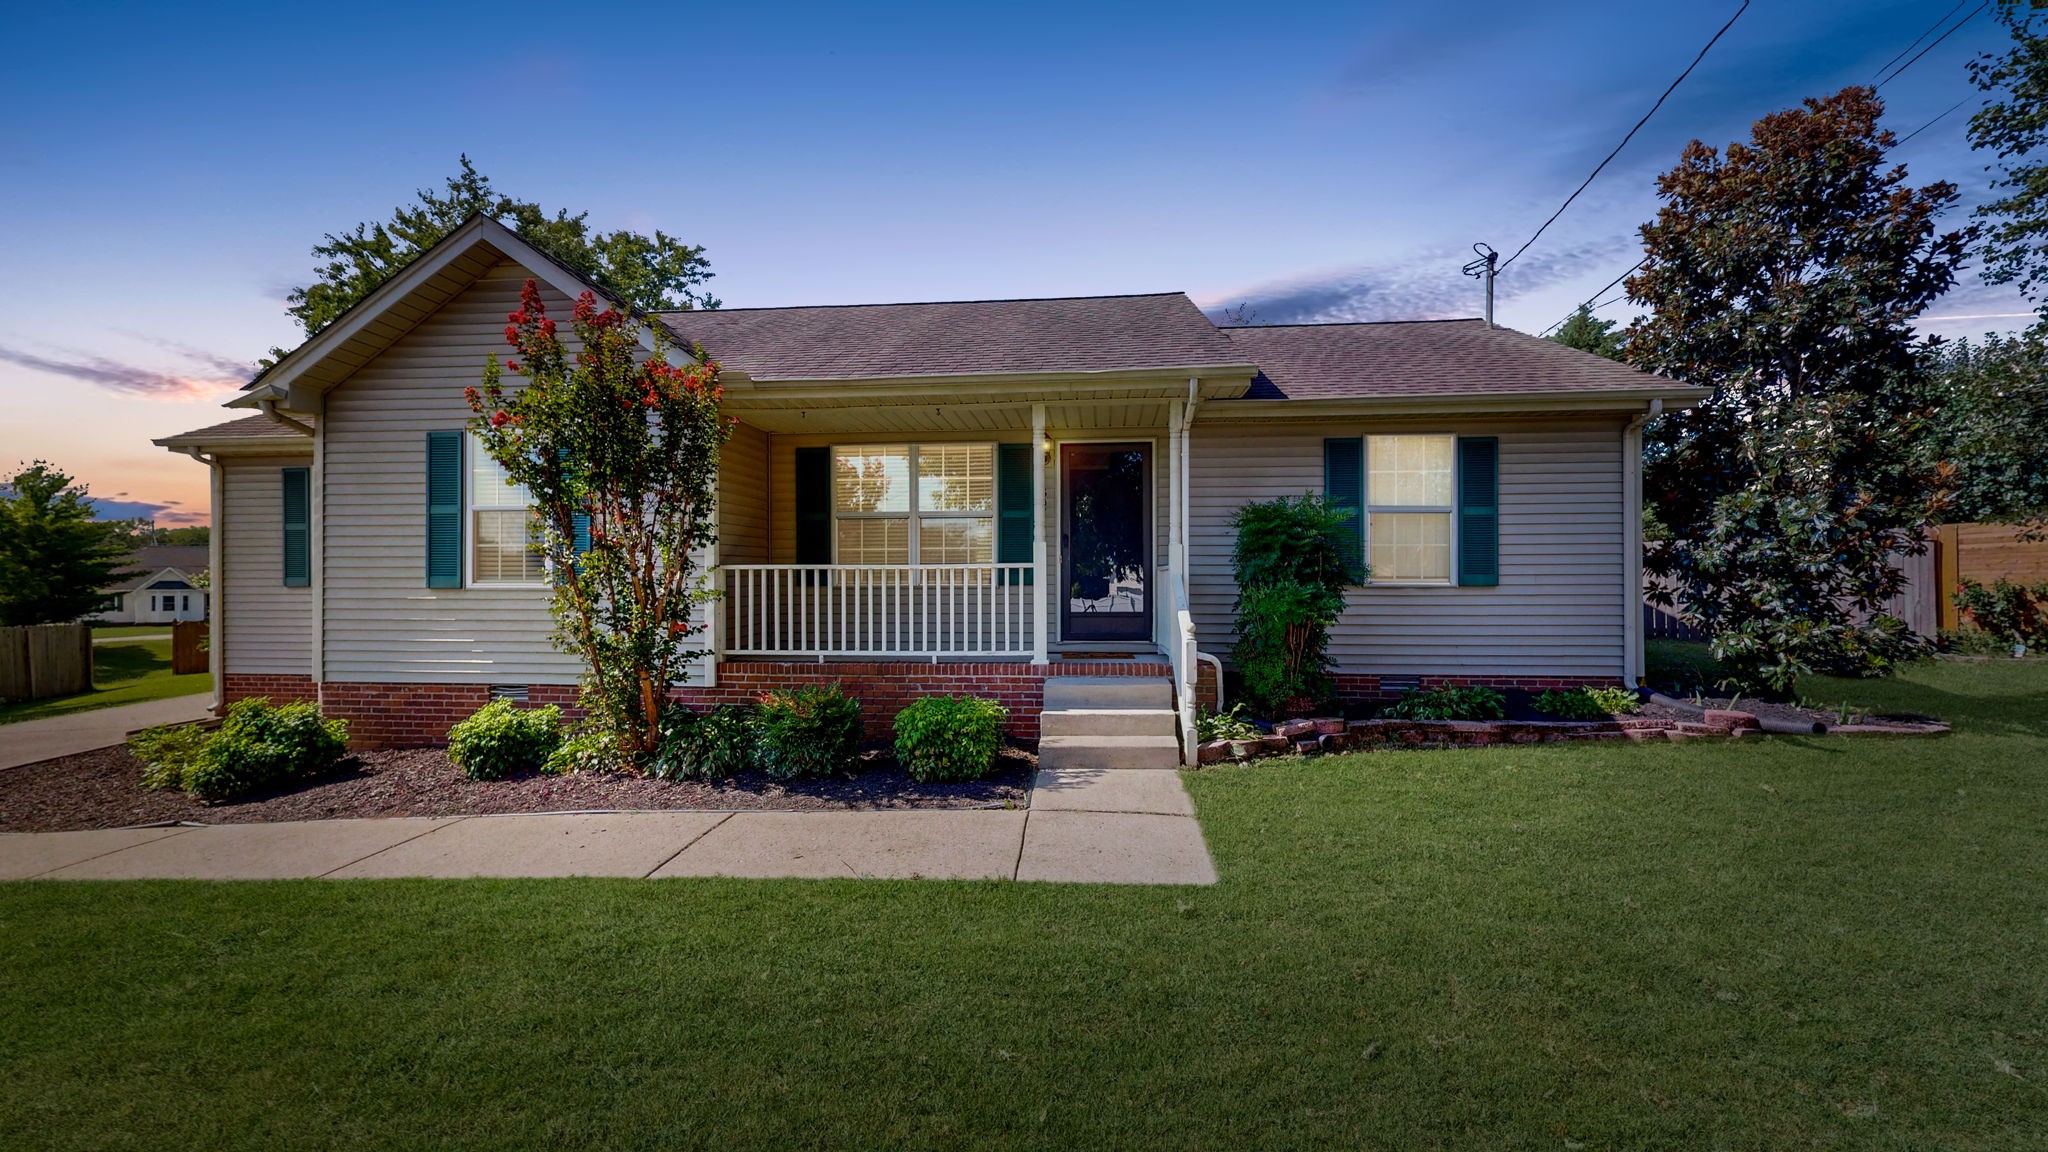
<point x="1587" y="703"/>
<point x="711" y="745"/>
<point x="809" y="731"/>
<point x="167" y="752"/>
<point x="1225" y="725"/>
<point x="941" y="739"/>
<point x="1451" y="702"/>
<point x="260" y="745"/>
<point x="587" y="750"/>
<point x="502" y="739"/>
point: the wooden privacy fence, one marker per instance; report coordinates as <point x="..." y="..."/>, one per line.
<point x="1986" y="553"/>
<point x="44" y="660"/>
<point x="188" y="647"/>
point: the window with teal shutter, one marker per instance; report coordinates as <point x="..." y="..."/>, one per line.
<point x="813" y="505"/>
<point x="298" y="527"/>
<point x="444" y="509"/>
<point x="1479" y="511"/>
<point x="1344" y="489"/>
<point x="1014" y="514"/>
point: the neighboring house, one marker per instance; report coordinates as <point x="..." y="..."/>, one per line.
<point x="918" y="498"/>
<point x="166" y="584"/>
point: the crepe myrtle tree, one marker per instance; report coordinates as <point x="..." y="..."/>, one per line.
<point x="618" y="449"/>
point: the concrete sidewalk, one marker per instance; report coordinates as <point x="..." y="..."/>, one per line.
<point x="33" y="740"/>
<point x="1083" y="826"/>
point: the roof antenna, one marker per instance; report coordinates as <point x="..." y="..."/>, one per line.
<point x="1483" y="269"/>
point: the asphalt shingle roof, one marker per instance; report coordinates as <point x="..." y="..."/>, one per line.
<point x="254" y="427"/>
<point x="881" y="341"/>
<point x="1419" y="358"/>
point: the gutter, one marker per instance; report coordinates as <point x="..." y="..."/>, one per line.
<point x="269" y="408"/>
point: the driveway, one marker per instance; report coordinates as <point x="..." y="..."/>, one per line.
<point x="33" y="740"/>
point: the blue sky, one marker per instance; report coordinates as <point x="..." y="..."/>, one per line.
<point x="169" y="165"/>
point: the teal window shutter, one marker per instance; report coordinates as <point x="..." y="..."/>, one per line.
<point x="1479" y="511"/>
<point x="579" y="522"/>
<point x="298" y="527"/>
<point x="1014" y="514"/>
<point x="814" y="505"/>
<point x="1344" y="488"/>
<point x="444" y="509"/>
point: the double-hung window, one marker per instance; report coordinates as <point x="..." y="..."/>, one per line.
<point x="502" y="524"/>
<point x="1409" y="500"/>
<point x="914" y="504"/>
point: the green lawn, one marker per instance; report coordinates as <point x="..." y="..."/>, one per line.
<point x="128" y="672"/>
<point x="1808" y="942"/>
<point x="122" y="631"/>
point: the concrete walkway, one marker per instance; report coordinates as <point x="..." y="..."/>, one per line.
<point x="33" y="740"/>
<point x="1084" y="826"/>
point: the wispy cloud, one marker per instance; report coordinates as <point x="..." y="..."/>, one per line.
<point x="213" y="361"/>
<point x="1429" y="287"/>
<point x="129" y="379"/>
<point x="169" y="513"/>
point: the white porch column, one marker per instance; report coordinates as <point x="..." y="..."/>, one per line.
<point x="1177" y="473"/>
<point x="1041" y="579"/>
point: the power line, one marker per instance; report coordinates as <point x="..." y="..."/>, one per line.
<point x="1588" y="303"/>
<point x="1937" y="41"/>
<point x="1918" y="39"/>
<point x="1631" y="133"/>
<point x="1933" y="122"/>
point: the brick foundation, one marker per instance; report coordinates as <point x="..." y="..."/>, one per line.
<point x="1366" y="689"/>
<point x="278" y="687"/>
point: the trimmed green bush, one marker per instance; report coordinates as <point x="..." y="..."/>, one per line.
<point x="1587" y="703"/>
<point x="714" y="745"/>
<point x="809" y="731"/>
<point x="585" y="751"/>
<point x="1452" y="702"/>
<point x="261" y="745"/>
<point x="502" y="739"/>
<point x="940" y="739"/>
<point x="167" y="752"/>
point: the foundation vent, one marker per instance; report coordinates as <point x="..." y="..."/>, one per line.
<point x="513" y="692"/>
<point x="1400" y="684"/>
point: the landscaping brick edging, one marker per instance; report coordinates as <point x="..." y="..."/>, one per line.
<point x="1335" y="735"/>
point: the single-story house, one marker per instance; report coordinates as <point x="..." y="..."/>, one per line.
<point x="165" y="583"/>
<point x="978" y="496"/>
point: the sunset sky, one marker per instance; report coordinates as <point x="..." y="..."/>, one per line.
<point x="169" y="166"/>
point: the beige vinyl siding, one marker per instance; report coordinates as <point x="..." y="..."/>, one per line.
<point x="744" y="497"/>
<point x="1559" y="608"/>
<point x="380" y="620"/>
<point x="265" y="626"/>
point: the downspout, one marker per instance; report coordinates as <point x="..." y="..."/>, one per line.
<point x="1187" y="484"/>
<point x="1632" y="533"/>
<point x="269" y="408"/>
<point x="216" y="647"/>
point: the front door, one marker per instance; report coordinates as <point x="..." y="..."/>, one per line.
<point x="1106" y="541"/>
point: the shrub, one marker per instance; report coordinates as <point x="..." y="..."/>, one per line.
<point x="260" y="745"/>
<point x="585" y="751"/>
<point x="809" y="731"/>
<point x="945" y="738"/>
<point x="1970" y="640"/>
<point x="1292" y="561"/>
<point x="1452" y="702"/>
<point x="2015" y="613"/>
<point x="502" y="739"/>
<point x="167" y="752"/>
<point x="708" y="746"/>
<point x="1227" y="725"/>
<point x="1587" y="703"/>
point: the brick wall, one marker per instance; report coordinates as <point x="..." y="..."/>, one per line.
<point x="278" y="687"/>
<point x="400" y="715"/>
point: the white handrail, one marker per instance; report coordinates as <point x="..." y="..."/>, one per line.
<point x="874" y="610"/>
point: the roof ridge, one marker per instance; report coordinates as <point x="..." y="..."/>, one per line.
<point x="927" y="303"/>
<point x="1355" y="323"/>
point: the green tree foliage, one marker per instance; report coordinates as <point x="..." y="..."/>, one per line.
<point x="1784" y="275"/>
<point x="2014" y="128"/>
<point x="1589" y="333"/>
<point x="1990" y="403"/>
<point x="54" y="557"/>
<point x="616" y="444"/>
<point x="1293" y="562"/>
<point x="651" y="274"/>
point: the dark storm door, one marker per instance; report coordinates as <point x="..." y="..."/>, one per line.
<point x="1106" y="541"/>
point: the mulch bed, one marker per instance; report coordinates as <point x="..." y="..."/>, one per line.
<point x="1859" y="721"/>
<point x="104" y="789"/>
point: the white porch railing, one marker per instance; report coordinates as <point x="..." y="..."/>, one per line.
<point x="873" y="610"/>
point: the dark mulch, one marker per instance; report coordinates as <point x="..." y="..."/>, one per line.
<point x="104" y="789"/>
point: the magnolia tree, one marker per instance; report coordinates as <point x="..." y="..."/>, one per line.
<point x="619" y="451"/>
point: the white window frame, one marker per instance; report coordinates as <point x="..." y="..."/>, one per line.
<point x="1367" y="508"/>
<point x="470" y="448"/>
<point x="914" y="515"/>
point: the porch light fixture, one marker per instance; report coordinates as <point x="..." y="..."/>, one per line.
<point x="1045" y="446"/>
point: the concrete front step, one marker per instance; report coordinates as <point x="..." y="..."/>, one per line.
<point x="1061" y="752"/>
<point x="1107" y="722"/>
<point x="1063" y="693"/>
